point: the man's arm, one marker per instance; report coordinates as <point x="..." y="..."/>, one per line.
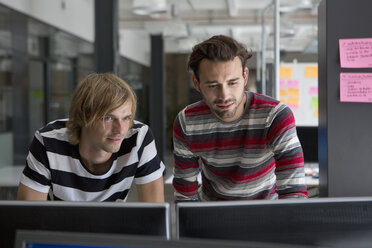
<point x="186" y="165"/>
<point x="151" y="192"/>
<point x="36" y="174"/>
<point x="290" y="172"/>
<point x="27" y="194"/>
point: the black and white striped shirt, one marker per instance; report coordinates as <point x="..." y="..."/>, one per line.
<point x="54" y="166"/>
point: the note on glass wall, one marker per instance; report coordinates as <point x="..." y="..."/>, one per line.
<point x="311" y="71"/>
<point x="356" y="53"/>
<point x="285" y="72"/>
<point x="356" y="87"/>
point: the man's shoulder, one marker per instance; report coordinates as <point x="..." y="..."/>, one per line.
<point x="138" y="125"/>
<point x="138" y="128"/>
<point x="265" y="104"/>
<point x="54" y="134"/>
<point x="259" y="100"/>
<point x="59" y="124"/>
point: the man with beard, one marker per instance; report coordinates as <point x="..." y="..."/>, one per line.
<point x="97" y="153"/>
<point x="246" y="143"/>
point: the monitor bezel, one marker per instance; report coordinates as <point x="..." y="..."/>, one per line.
<point x="95" y="206"/>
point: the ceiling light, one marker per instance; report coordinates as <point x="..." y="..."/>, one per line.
<point x="149" y="7"/>
<point x="294" y="5"/>
<point x="175" y="29"/>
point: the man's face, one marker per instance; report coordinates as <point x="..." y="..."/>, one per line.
<point x="222" y="87"/>
<point x="105" y="137"/>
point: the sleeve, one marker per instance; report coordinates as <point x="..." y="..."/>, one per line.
<point x="186" y="165"/>
<point x="288" y="154"/>
<point x="150" y="167"/>
<point x="36" y="175"/>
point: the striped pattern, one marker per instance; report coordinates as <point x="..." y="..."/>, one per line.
<point x="54" y="165"/>
<point x="257" y="156"/>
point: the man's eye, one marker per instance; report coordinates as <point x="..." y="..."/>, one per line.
<point x="212" y="86"/>
<point x="127" y="118"/>
<point x="108" y="118"/>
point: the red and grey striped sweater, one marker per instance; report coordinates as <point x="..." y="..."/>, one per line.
<point x="257" y="156"/>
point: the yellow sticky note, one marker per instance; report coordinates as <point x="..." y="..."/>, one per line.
<point x="293" y="92"/>
<point x="293" y="101"/>
<point x="311" y="71"/>
<point x="283" y="100"/>
<point x="285" y="72"/>
<point x="282" y="93"/>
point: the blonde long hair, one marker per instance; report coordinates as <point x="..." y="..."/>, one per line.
<point x="97" y="95"/>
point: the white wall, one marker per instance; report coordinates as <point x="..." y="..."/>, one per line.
<point x="73" y="16"/>
<point x="77" y="18"/>
<point x="135" y="45"/>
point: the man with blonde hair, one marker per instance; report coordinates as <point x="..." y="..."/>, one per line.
<point x="97" y="152"/>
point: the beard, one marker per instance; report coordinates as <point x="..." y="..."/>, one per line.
<point x="224" y="114"/>
<point x="230" y="113"/>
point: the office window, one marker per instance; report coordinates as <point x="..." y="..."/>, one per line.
<point x="137" y="76"/>
<point x="38" y="72"/>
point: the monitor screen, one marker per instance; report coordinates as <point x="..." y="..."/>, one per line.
<point x="328" y="221"/>
<point x="99" y="217"/>
<point x="308" y="137"/>
<point x="49" y="239"/>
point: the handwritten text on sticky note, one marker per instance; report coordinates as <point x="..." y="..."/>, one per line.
<point x="356" y="53"/>
<point x="356" y="87"/>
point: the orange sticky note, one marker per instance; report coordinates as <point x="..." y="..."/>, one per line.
<point x="285" y="72"/>
<point x="283" y="93"/>
<point x="316" y="112"/>
<point x="293" y="101"/>
<point x="293" y="92"/>
<point x="311" y="71"/>
<point x="283" y="100"/>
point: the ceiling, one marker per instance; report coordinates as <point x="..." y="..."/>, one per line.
<point x="183" y="23"/>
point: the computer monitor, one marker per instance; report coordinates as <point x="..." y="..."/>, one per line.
<point x="48" y="239"/>
<point x="323" y="221"/>
<point x="308" y="137"/>
<point x="151" y="219"/>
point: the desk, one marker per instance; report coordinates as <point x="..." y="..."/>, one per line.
<point x="311" y="181"/>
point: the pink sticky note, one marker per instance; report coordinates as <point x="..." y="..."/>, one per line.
<point x="313" y="90"/>
<point x="356" y="53"/>
<point x="293" y="107"/>
<point x="293" y="84"/>
<point x="356" y="87"/>
<point x="282" y="84"/>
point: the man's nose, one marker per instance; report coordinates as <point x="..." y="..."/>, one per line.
<point x="223" y="92"/>
<point x="117" y="126"/>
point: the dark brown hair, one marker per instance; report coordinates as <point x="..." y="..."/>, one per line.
<point x="217" y="48"/>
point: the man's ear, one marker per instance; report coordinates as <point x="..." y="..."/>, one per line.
<point x="195" y="82"/>
<point x="246" y="73"/>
